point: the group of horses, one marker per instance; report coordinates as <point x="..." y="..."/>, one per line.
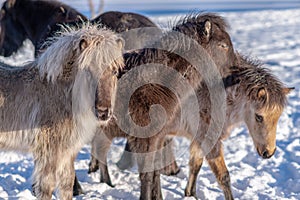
<point x="120" y="75"/>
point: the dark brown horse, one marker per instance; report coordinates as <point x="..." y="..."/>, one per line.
<point x="28" y="19"/>
<point x="122" y="22"/>
<point x="172" y="50"/>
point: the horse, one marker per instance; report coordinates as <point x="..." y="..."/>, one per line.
<point x="142" y="29"/>
<point x="258" y="101"/>
<point x="52" y="106"/>
<point x="205" y="29"/>
<point x="28" y="19"/>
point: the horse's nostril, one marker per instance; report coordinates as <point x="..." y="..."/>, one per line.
<point x="265" y="154"/>
<point x="103" y="113"/>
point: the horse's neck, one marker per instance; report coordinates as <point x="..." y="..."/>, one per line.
<point x="236" y="105"/>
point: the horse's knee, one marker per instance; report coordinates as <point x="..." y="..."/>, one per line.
<point x="224" y="179"/>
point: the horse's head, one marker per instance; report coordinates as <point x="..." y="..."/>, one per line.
<point x="87" y="59"/>
<point x="12" y="33"/>
<point x="105" y="95"/>
<point x="266" y="100"/>
<point x="209" y="30"/>
<point x="105" y="53"/>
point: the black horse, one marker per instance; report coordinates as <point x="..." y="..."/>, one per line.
<point x="27" y="19"/>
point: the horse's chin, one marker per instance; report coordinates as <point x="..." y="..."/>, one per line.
<point x="107" y="121"/>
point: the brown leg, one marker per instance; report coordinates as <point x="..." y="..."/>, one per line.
<point x="168" y="159"/>
<point x="149" y="175"/>
<point x="217" y="164"/>
<point x="104" y="175"/>
<point x="127" y="160"/>
<point x="100" y="148"/>
<point x="93" y="165"/>
<point x="195" y="164"/>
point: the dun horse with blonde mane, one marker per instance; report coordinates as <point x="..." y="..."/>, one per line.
<point x="52" y="106"/>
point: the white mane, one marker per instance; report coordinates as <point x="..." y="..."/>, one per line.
<point x="65" y="47"/>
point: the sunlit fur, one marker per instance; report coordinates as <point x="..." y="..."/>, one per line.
<point x="258" y="93"/>
<point x="47" y="107"/>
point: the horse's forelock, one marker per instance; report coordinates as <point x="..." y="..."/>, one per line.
<point x="194" y="18"/>
<point x="101" y="48"/>
<point x="253" y="77"/>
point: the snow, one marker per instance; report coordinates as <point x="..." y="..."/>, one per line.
<point x="269" y="35"/>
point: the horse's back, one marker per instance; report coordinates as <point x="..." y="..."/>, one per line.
<point x="123" y="21"/>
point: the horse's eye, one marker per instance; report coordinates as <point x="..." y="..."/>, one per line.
<point x="259" y="118"/>
<point x="115" y="72"/>
<point x="223" y="45"/>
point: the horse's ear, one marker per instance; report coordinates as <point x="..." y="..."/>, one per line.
<point x="261" y="94"/>
<point x="9" y="4"/>
<point x="286" y="91"/>
<point x="62" y="10"/>
<point x="120" y="43"/>
<point x="83" y="44"/>
<point x="207" y="29"/>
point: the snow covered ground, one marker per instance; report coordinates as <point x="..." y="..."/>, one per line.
<point x="269" y="35"/>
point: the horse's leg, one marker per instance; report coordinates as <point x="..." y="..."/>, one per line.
<point x="100" y="148"/>
<point x="94" y="164"/>
<point x="195" y="164"/>
<point x="217" y="164"/>
<point x="149" y="176"/>
<point x="77" y="190"/>
<point x="104" y="174"/>
<point x="43" y="179"/>
<point x="171" y="167"/>
<point x="65" y="174"/>
<point x="127" y="160"/>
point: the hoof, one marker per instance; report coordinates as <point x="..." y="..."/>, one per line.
<point x="93" y="167"/>
<point x="170" y="170"/>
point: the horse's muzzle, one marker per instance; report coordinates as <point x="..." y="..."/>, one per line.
<point x="266" y="154"/>
<point x="103" y="114"/>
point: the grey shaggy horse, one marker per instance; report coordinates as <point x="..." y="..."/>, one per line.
<point x="49" y="107"/>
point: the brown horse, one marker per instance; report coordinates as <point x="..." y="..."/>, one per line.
<point x="172" y="50"/>
<point x="28" y="19"/>
<point x="122" y="22"/>
<point x="258" y="101"/>
<point x="52" y="106"/>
